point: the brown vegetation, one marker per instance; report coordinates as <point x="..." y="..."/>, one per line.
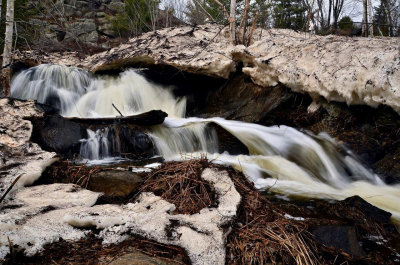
<point x="180" y="183"/>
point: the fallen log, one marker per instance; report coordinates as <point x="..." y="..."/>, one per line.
<point x="152" y="117"/>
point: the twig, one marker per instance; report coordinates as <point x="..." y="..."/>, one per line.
<point x="10" y="188"/>
<point x="117" y="109"/>
<point x="253" y="26"/>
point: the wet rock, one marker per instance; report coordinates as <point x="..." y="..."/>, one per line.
<point x="242" y="100"/>
<point x="135" y="257"/>
<point x="57" y="134"/>
<point x="372" y="212"/>
<point x="135" y="141"/>
<point x="341" y="237"/>
<point x="64" y="135"/>
<point x="115" y="182"/>
<point x="229" y="143"/>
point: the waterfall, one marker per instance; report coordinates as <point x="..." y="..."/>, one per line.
<point x="96" y="146"/>
<point x="78" y="94"/>
<point x="56" y="85"/>
<point x="282" y="159"/>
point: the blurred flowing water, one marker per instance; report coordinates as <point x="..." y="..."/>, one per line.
<point x="281" y="158"/>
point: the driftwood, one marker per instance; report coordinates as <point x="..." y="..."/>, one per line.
<point x="152" y="117"/>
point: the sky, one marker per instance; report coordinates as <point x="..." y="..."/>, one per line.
<point x="352" y="8"/>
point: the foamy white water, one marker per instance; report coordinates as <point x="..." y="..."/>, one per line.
<point x="281" y="158"/>
<point x="78" y="94"/>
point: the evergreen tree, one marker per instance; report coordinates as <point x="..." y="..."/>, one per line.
<point x="381" y="18"/>
<point x="289" y="14"/>
<point x="139" y="16"/>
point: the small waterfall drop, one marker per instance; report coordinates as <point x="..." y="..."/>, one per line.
<point x="96" y="146"/>
<point x="56" y="85"/>
<point x="78" y="94"/>
<point x="301" y="164"/>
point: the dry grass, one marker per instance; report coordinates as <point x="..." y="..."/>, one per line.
<point x="180" y="183"/>
<point x="263" y="235"/>
<point x="68" y="172"/>
<point x="260" y="234"/>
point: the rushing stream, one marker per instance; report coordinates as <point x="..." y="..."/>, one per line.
<point x="301" y="164"/>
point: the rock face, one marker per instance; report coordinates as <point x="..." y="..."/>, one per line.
<point x="75" y="22"/>
<point x="18" y="155"/>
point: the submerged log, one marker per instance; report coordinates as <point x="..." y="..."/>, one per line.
<point x="153" y="117"/>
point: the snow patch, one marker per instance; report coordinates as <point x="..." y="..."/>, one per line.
<point x="34" y="217"/>
<point x="44" y="214"/>
<point x="200" y="234"/>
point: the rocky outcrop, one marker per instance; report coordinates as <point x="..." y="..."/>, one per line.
<point x="80" y="23"/>
<point x="18" y="154"/>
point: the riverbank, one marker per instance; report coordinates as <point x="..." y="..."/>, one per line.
<point x="264" y="230"/>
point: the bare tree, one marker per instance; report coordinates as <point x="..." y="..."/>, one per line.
<point x="7" y="54"/>
<point x="365" y="19"/>
<point x="1" y="5"/>
<point x="337" y="8"/>
<point x="232" y="21"/>
<point x="371" y="26"/>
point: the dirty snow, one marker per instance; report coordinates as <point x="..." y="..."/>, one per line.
<point x="44" y="214"/>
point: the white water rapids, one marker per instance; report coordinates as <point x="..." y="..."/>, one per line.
<point x="300" y="164"/>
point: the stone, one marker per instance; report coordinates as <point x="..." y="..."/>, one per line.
<point x="371" y="212"/>
<point x="135" y="257"/>
<point x="82" y="29"/>
<point x="341" y="237"/>
<point x="57" y="134"/>
<point x="116" y="6"/>
<point x="115" y="182"/>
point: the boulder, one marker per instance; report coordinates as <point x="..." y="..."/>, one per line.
<point x="135" y="257"/>
<point x="370" y="211"/>
<point x="57" y="134"/>
<point x="341" y="237"/>
<point x="115" y="182"/>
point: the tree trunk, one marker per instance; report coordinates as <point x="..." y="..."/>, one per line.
<point x="371" y="25"/>
<point x="365" y="19"/>
<point x="7" y="54"/>
<point x="232" y="21"/>
<point x="329" y="13"/>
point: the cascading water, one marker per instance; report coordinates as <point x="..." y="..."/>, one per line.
<point x="96" y="146"/>
<point x="56" y="85"/>
<point x="299" y="163"/>
<point x="77" y="94"/>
